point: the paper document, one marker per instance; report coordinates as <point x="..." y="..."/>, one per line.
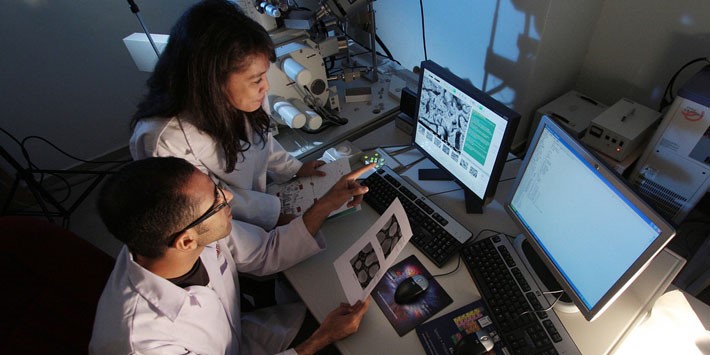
<point x="362" y="266"/>
<point x="299" y="194"/>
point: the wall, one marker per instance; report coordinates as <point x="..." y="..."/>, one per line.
<point x="523" y="53"/>
<point x="639" y="45"/>
<point x="527" y="53"/>
<point x="67" y="77"/>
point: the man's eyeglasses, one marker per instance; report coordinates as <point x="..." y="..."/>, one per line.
<point x="216" y="207"/>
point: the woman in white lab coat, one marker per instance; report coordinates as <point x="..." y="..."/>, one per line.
<point x="204" y="105"/>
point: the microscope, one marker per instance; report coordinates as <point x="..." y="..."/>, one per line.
<point x="307" y="41"/>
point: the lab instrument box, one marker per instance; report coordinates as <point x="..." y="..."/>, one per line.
<point x="621" y="129"/>
<point x="573" y="111"/>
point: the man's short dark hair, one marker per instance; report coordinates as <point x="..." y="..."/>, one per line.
<point x="143" y="204"/>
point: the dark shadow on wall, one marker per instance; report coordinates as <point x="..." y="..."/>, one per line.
<point x="503" y="73"/>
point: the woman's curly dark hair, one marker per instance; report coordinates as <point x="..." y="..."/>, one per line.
<point x="210" y="40"/>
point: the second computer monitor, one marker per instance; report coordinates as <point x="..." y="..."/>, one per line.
<point x="591" y="231"/>
<point x="464" y="131"/>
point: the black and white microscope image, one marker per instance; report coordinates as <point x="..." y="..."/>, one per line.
<point x="389" y="235"/>
<point x="444" y="113"/>
<point x="463" y="163"/>
<point x="365" y="265"/>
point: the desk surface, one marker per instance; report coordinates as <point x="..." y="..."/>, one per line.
<point x="317" y="283"/>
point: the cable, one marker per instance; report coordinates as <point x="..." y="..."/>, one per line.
<point x="421" y="10"/>
<point x="341" y="69"/>
<point x="386" y="147"/>
<point x="561" y="292"/>
<point x="458" y="264"/>
<point x="330" y="117"/>
<point x="407" y="147"/>
<point x="71" y="156"/>
<point x="24" y="153"/>
<point x="444" y="192"/>
<point x="406" y="167"/>
<point x="384" y="48"/>
<point x="507" y="179"/>
<point x="11" y="136"/>
<point x="667" y="98"/>
<point x="379" y="41"/>
<point x="32" y="166"/>
<point x="369" y="49"/>
<point x="478" y="236"/>
<point x="42" y="175"/>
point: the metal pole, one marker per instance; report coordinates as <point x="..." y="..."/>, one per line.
<point x="136" y="10"/>
<point x="373" y="39"/>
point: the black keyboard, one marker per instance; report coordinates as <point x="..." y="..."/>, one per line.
<point x="435" y="233"/>
<point x="511" y="295"/>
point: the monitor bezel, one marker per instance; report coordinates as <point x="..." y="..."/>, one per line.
<point x="667" y="230"/>
<point x="512" y="118"/>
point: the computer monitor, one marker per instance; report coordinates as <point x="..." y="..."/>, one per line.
<point x="464" y="131"/>
<point x="589" y="229"/>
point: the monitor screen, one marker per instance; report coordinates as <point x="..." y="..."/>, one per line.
<point x="463" y="130"/>
<point x="592" y="232"/>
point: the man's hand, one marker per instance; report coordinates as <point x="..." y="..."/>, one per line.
<point x="338" y="324"/>
<point x="345" y="190"/>
<point x="311" y="169"/>
<point x="344" y="320"/>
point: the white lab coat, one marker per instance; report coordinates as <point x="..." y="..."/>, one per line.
<point x="142" y="313"/>
<point x="159" y="137"/>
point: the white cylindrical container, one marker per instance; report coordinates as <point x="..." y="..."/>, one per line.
<point x="296" y="72"/>
<point x="289" y="114"/>
<point x="313" y="120"/>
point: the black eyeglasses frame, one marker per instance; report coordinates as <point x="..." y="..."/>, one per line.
<point x="216" y="207"/>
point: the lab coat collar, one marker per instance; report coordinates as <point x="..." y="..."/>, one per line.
<point x="162" y="294"/>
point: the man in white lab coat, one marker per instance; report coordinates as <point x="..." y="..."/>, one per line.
<point x="175" y="289"/>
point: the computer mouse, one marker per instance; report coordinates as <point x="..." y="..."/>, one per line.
<point x="410" y="289"/>
<point x="476" y="343"/>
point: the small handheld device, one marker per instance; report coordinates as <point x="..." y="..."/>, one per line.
<point x="373" y="158"/>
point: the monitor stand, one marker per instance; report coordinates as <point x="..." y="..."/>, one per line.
<point x="565" y="303"/>
<point x="474" y="204"/>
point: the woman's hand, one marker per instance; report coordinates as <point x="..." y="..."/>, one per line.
<point x="311" y="169"/>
